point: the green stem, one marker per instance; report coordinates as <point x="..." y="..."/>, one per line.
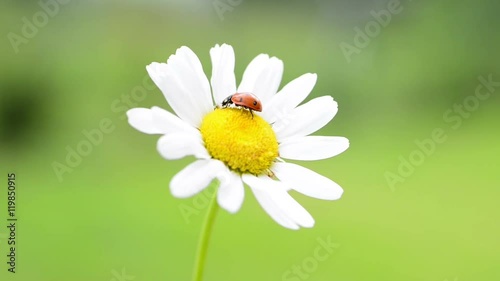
<point x="204" y="238"/>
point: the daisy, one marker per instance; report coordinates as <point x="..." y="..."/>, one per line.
<point x="238" y="147"/>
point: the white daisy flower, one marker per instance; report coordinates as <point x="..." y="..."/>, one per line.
<point x="237" y="146"/>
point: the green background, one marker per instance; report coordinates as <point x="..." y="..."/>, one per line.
<point x="114" y="211"/>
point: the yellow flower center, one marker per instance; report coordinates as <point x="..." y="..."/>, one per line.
<point x="244" y="143"/>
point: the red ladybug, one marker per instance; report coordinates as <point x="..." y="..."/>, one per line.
<point x="245" y="100"/>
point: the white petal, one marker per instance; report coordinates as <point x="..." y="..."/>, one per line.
<point x="276" y="201"/>
<point x="231" y="192"/>
<point x="163" y="77"/>
<point x="142" y="120"/>
<point x="158" y="121"/>
<point x="223" y="80"/>
<point x="289" y="97"/>
<point x="169" y="123"/>
<point x="293" y="209"/>
<point x="252" y="72"/>
<point x="184" y="85"/>
<point x="269" y="80"/>
<point x="262" y="77"/>
<point x="312" y="147"/>
<point x="307" y="182"/>
<point x="195" y="177"/>
<point x="179" y="145"/>
<point x="307" y="118"/>
<point x="267" y="203"/>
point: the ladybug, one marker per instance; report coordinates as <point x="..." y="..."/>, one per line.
<point x="245" y="100"/>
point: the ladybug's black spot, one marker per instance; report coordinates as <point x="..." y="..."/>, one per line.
<point x="241" y="99"/>
<point x="254" y="102"/>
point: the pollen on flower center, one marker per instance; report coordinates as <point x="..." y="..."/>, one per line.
<point x="244" y="143"/>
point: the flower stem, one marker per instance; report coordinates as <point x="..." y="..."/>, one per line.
<point x="204" y="239"/>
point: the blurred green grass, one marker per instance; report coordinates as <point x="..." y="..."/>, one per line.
<point x="115" y="211"/>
